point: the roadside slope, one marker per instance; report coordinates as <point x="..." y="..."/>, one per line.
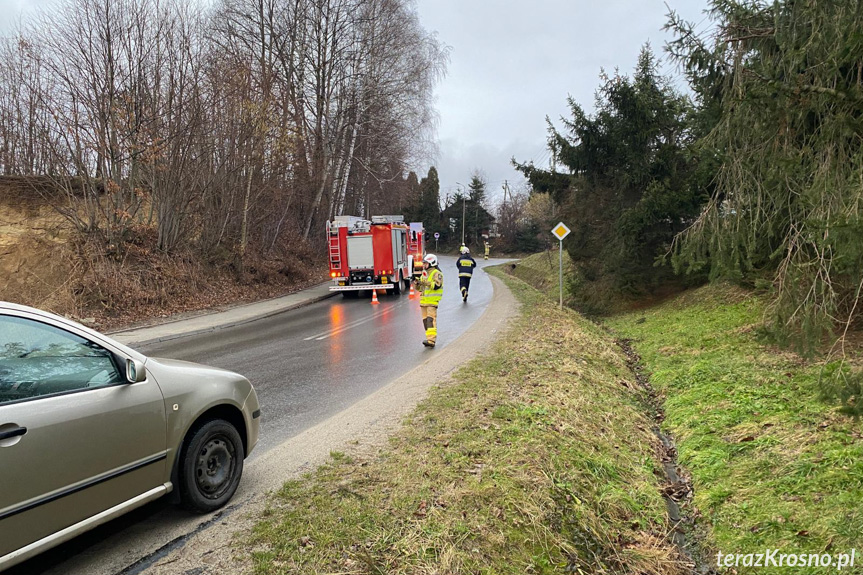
<point x="535" y="457"/>
<point x="46" y="263"/>
<point x="773" y="465"/>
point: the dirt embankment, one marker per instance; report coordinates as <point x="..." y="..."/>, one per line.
<point x="46" y="263"/>
<point x="35" y="266"/>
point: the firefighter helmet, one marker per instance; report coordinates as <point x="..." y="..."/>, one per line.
<point x="464" y="250"/>
<point x="431" y="259"/>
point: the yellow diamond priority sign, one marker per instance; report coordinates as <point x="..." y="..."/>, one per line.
<point x="560" y="231"/>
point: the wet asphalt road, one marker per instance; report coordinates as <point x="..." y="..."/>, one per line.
<point x="306" y="365"/>
<point x="311" y="363"/>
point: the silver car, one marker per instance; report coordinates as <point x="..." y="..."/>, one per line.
<point x="91" y="429"/>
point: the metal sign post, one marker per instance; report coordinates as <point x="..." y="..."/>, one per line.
<point x="560" y="231"/>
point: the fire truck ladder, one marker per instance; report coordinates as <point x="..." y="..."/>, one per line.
<point x="335" y="249"/>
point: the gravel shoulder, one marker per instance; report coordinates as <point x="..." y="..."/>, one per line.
<point x="207" y="546"/>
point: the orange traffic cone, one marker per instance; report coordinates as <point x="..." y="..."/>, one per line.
<point x="375" y="297"/>
<point x="413" y="292"/>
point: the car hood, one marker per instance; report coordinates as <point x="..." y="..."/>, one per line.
<point x="186" y="367"/>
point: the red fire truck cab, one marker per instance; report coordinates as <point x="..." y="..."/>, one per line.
<point x="370" y="254"/>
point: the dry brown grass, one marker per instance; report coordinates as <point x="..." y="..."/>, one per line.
<point x="45" y="263"/>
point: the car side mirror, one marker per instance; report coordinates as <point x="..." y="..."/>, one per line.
<point x="135" y="372"/>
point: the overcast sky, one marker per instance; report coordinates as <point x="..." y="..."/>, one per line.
<point x="12" y="10"/>
<point x="512" y="63"/>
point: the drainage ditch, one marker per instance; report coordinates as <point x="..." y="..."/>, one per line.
<point x="677" y="491"/>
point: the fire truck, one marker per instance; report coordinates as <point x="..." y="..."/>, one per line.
<point x="373" y="254"/>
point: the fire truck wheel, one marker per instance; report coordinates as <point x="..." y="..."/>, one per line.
<point x="397" y="287"/>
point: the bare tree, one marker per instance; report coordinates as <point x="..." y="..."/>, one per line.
<point x="227" y="129"/>
<point x="99" y="57"/>
<point x="23" y="118"/>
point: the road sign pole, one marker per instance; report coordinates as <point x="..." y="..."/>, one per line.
<point x="560" y="254"/>
<point x="560" y="231"/>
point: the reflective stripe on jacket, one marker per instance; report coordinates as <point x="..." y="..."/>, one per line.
<point x="465" y="266"/>
<point x="431" y="294"/>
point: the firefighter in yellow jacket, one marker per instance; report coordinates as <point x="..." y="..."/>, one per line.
<point x="430" y="286"/>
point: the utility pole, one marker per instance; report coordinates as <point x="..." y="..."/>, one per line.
<point x="461" y="191"/>
<point x="505" y="219"/>
<point x="462" y="218"/>
<point x="476" y="222"/>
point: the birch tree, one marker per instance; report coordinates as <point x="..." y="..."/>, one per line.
<point x="231" y="129"/>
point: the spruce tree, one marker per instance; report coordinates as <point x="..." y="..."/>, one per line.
<point x="785" y="80"/>
<point x="627" y="185"/>
<point x="429" y="211"/>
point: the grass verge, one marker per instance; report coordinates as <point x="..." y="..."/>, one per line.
<point x="535" y="458"/>
<point x="541" y="271"/>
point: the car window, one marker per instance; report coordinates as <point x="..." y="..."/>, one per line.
<point x="37" y="359"/>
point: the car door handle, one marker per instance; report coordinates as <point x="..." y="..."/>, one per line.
<point x="12" y="432"/>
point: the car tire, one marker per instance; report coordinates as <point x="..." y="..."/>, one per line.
<point x="211" y="465"/>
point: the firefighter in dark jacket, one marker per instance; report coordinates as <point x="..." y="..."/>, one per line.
<point x="466" y="265"/>
<point x="431" y="290"/>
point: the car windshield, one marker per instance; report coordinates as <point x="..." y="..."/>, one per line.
<point x="38" y="359"/>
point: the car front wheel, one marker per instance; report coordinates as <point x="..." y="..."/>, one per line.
<point x="211" y="466"/>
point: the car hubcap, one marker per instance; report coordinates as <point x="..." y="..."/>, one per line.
<point x="214" y="467"/>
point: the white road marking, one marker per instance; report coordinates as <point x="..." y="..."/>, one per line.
<point x="337" y="330"/>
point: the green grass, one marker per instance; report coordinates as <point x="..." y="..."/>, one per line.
<point x="596" y="298"/>
<point x="535" y="459"/>
<point x="541" y="271"/>
<point x="772" y="465"/>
